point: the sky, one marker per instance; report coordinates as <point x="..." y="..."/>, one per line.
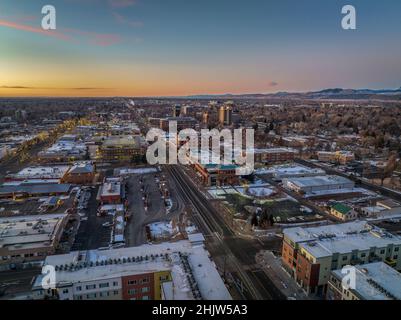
<point x="188" y="47"/>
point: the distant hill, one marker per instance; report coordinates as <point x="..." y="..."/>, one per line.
<point x="332" y="93"/>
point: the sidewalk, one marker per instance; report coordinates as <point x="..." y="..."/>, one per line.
<point x="272" y="266"/>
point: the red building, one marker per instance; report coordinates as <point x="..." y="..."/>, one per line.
<point x="138" y="287"/>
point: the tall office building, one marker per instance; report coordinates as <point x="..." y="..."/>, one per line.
<point x="225" y="115"/>
<point x="176" y="111"/>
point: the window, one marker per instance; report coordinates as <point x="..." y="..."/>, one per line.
<point x="382" y="251"/>
<point x="132" y="291"/>
<point x="363" y="255"/>
<point x="91" y="286"/>
<point x="145" y="298"/>
<point x="345" y="258"/>
<point x="115" y="284"/>
<point x="104" y="285"/>
<point x="115" y="292"/>
<point x="396" y="249"/>
<point x="395" y="257"/>
<point x="145" y="280"/>
<point x="79" y="288"/>
<point x="145" y="289"/>
<point x="132" y="282"/>
<point x="163" y="278"/>
<point x="65" y="291"/>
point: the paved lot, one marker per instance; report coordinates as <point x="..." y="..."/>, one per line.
<point x="91" y="234"/>
<point x="135" y="229"/>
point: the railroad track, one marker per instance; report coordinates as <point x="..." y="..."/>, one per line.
<point x="213" y="225"/>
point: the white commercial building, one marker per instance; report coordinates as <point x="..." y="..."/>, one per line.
<point x="318" y="183"/>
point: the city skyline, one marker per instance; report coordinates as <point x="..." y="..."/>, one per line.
<point x="180" y="48"/>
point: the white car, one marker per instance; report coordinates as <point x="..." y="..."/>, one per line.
<point x="107" y="224"/>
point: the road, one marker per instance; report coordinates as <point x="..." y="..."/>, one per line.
<point x="17" y="281"/>
<point x="238" y="254"/>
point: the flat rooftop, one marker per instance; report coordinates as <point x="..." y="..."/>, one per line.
<point x="341" y="238"/>
<point x="375" y="281"/>
<point x="122" y="141"/>
<point x="40" y="172"/>
<point x="274" y="150"/>
<point x="33" y="189"/>
<point x="319" y="181"/>
<point x="85" y="269"/>
<point x="110" y="189"/>
<point x="29" y="231"/>
<point x="290" y="169"/>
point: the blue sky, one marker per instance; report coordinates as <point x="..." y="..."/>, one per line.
<point x="163" y="47"/>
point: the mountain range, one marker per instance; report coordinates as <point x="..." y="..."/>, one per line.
<point x="332" y="93"/>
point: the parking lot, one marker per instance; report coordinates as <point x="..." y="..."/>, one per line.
<point x="137" y="187"/>
<point x="91" y="233"/>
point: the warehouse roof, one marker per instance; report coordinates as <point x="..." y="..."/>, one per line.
<point x="318" y="181"/>
<point x="35" y="188"/>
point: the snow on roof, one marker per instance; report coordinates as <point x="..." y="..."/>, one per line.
<point x="196" y="238"/>
<point x="29" y="231"/>
<point x="375" y="281"/>
<point x="289" y="170"/>
<point x="273" y="150"/>
<point x="82" y="167"/>
<point x="111" y="189"/>
<point x="41" y="172"/>
<point x="128" y="171"/>
<point x="323" y="241"/>
<point x="319" y="181"/>
<point x="210" y="284"/>
<point x="300" y="234"/>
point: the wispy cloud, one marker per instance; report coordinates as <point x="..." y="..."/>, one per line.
<point x="23" y="27"/>
<point x="122" y="20"/>
<point x="15" y="87"/>
<point x="273" y="84"/>
<point x="68" y="34"/>
<point x="122" y="3"/>
<point x="53" y="88"/>
<point x="99" y="39"/>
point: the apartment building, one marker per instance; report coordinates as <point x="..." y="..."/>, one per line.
<point x="342" y="157"/>
<point x="217" y="175"/>
<point x="182" y="123"/>
<point x="80" y="173"/>
<point x="176" y="271"/>
<point x="121" y="148"/>
<point x="310" y="254"/>
<point x="371" y="281"/>
<point x="274" y="155"/>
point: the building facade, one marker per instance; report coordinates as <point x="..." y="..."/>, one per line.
<point x="310" y="254"/>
